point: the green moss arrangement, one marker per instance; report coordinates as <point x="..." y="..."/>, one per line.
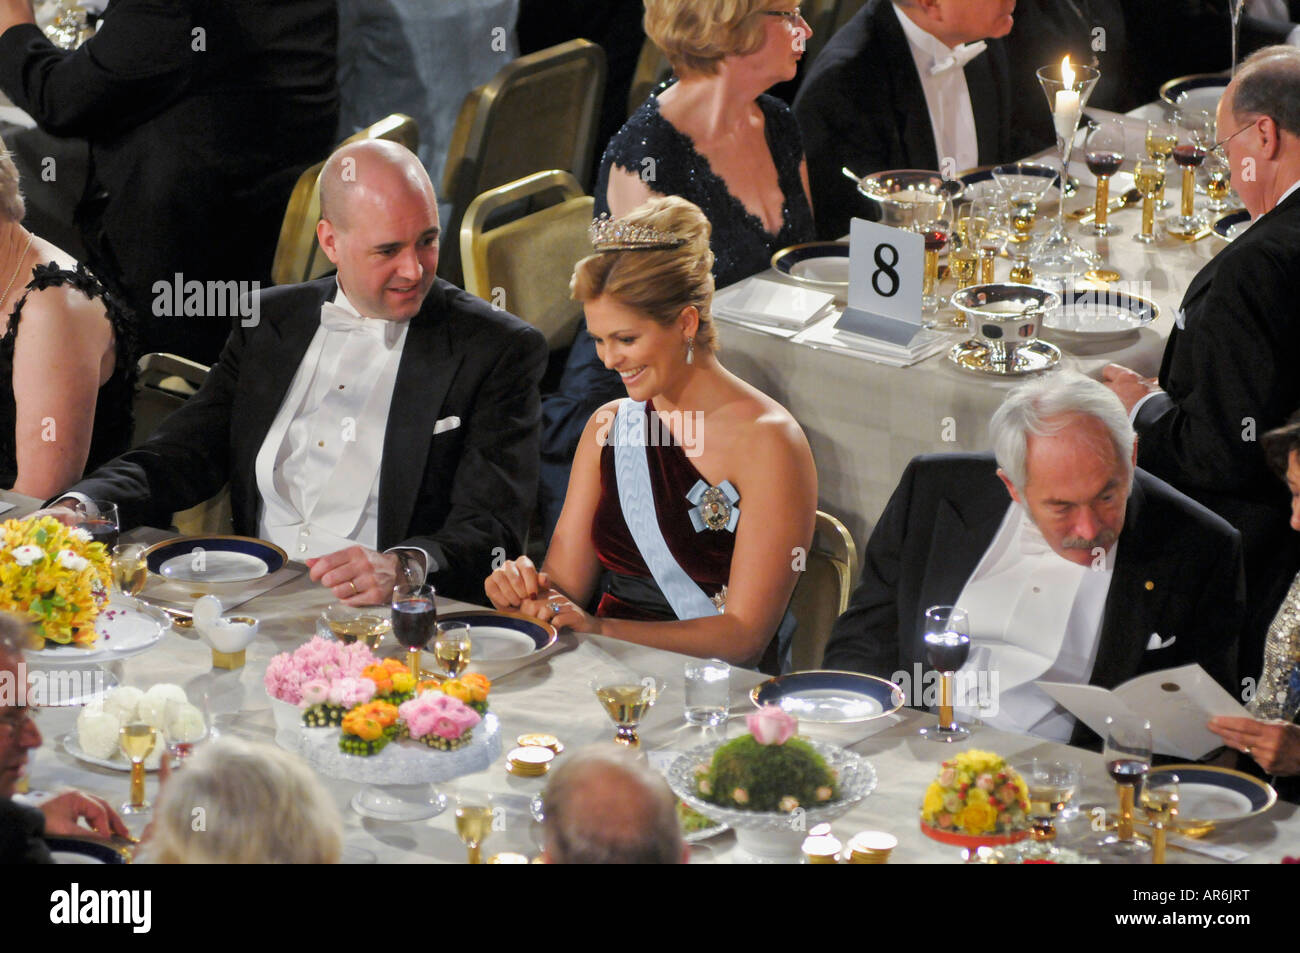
<point x="749" y="776"/>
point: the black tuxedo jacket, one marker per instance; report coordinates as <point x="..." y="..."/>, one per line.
<point x="1177" y="573"/>
<point x="458" y="494"/>
<point x="861" y="106"/>
<point x="200" y="116"/>
<point x="21" y="830"/>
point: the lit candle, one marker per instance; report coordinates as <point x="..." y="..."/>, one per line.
<point x="1065" y="115"/>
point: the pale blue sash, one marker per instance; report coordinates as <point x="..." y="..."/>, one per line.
<point x="635" y="495"/>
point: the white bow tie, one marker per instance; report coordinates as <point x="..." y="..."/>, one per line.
<point x="959" y="57"/>
<point x="334" y="317"/>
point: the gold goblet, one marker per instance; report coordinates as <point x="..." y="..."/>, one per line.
<point x="137" y="741"/>
<point x="1160" y="804"/>
<point x="473" y="824"/>
<point x="1149" y="177"/>
<point x="626" y="699"/>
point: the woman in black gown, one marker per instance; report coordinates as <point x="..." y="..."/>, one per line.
<point x="714" y="138"/>
<point x="67" y="367"/>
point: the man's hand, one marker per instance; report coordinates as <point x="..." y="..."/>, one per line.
<point x="357" y="576"/>
<point x="63" y="811"/>
<point x="13" y="12"/>
<point x="1129" y="386"/>
<point x="1275" y="745"/>
<point x="61" y="511"/>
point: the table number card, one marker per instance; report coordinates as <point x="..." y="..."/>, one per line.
<point x="885" y="268"/>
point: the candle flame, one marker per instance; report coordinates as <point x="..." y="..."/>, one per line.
<point x="1067" y="72"/>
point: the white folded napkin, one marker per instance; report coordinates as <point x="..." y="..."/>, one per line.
<point x="772" y="303"/>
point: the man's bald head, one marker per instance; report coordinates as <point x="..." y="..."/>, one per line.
<point x="355" y="172"/>
<point x="603" y="806"/>
<point x="1268" y="84"/>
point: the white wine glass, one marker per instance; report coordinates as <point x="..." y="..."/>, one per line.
<point x="137" y="740"/>
<point x="1052" y="785"/>
<point x="1160" y="805"/>
<point x="185" y="726"/>
<point x="452" y="647"/>
<point x="130" y="571"/>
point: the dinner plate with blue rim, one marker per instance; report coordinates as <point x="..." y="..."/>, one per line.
<point x="503" y="636"/>
<point x="81" y="850"/>
<point x="1099" y="315"/>
<point x="830" y="697"/>
<point x="1231" y="224"/>
<point x="817" y="264"/>
<point x="1199" y="92"/>
<point x="979" y="183"/>
<point x="1210" y="797"/>
<point x="214" y="559"/>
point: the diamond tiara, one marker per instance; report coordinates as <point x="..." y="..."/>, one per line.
<point x="610" y="234"/>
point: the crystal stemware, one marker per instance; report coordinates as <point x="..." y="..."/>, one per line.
<point x="947" y="644"/>
<point x="137" y="740"/>
<point x="103" y="523"/>
<point x="1160" y="805"/>
<point x="473" y="825"/>
<point x="1160" y="142"/>
<point x="989" y="208"/>
<point x="1128" y="759"/>
<point x="130" y="572"/>
<point x="963" y="260"/>
<point x="1189" y="154"/>
<point x="452" y="647"/>
<point x="626" y="699"/>
<point x="933" y="220"/>
<point x="1104" y="154"/>
<point x="1052" y="785"/>
<point x="1149" y="177"/>
<point x="1218" y="182"/>
<point x="1023" y="184"/>
<point x="414" y="615"/>
<point x="185" y="726"/>
<point x="1067" y="88"/>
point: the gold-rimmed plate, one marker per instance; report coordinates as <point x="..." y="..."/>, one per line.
<point x="503" y="636"/>
<point x="214" y="560"/>
<point x="1210" y="797"/>
<point x="830" y="697"/>
<point x="821" y="265"/>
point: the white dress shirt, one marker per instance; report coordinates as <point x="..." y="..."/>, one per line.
<point x="318" y="468"/>
<point x="947" y="97"/>
<point x="1033" y="615"/>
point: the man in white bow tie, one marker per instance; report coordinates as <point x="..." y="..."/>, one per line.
<point x="378" y="425"/>
<point x="907" y="84"/>
<point x="1071" y="564"/>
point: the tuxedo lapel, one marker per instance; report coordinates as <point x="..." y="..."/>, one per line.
<point x="911" y="114"/>
<point x="1137" y="565"/>
<point x="424" y="376"/>
<point x="984" y="104"/>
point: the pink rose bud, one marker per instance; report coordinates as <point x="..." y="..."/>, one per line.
<point x="771" y="725"/>
<point x="315" y="691"/>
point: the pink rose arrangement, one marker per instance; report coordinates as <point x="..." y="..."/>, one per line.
<point x="314" y="661"/>
<point x="771" y="725"/>
<point x="438" y="720"/>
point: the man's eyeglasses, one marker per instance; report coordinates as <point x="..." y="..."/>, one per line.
<point x="1218" y="146"/>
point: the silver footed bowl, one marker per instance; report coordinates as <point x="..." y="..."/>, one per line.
<point x="776" y="836"/>
<point x="1003" y="315"/>
<point x="899" y="190"/>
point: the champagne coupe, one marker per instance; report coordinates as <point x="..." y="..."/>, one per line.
<point x="185" y="725"/>
<point x="988" y="209"/>
<point x="1052" y="785"/>
<point x="103" y="528"/>
<point x="452" y="647"/>
<point x="947" y="643"/>
<point x="1023" y="185"/>
<point x="626" y="699"/>
<point x="933" y="219"/>
<point x="1188" y="154"/>
<point x="348" y="624"/>
<point x="130" y="572"/>
<point x="1104" y="154"/>
<point x="1160" y="805"/>
<point x="1128" y="759"/>
<point x="137" y="741"/>
<point x="1218" y="185"/>
<point x="414" y="617"/>
<point x="1067" y="88"/>
<point x="1160" y="142"/>
<point x="473" y="824"/>
<point x="1149" y="177"/>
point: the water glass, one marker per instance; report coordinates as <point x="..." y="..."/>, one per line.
<point x="708" y="691"/>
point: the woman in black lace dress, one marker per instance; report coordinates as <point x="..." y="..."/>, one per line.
<point x="67" y="370"/>
<point x="714" y="138"/>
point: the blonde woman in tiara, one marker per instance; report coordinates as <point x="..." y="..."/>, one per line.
<point x="67" y="367"/>
<point x="695" y="494"/>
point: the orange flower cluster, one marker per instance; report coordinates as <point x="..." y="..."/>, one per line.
<point x="368" y="721"/>
<point x="387" y="675"/>
<point x="470" y="687"/>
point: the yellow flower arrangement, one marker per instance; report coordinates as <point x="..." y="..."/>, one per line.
<point x="54" y="575"/>
<point x="976" y="793"/>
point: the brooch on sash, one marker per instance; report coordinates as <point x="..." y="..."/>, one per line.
<point x="720" y="599"/>
<point x="714" y="506"/>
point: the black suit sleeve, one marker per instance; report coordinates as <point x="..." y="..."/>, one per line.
<point x="865" y="637"/>
<point x="494" y="485"/>
<point x="138" y="63"/>
<point x="186" y="461"/>
<point x="1243" y="383"/>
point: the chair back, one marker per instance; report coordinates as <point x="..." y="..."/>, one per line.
<point x="652" y="68"/>
<point x="823" y="590"/>
<point x="519" y="243"/>
<point x="298" y="256"/>
<point x="540" y="112"/>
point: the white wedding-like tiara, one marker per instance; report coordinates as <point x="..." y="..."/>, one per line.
<point x="611" y="234"/>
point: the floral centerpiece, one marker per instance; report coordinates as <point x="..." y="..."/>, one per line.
<point x="314" y="660"/>
<point x="55" y="576"/>
<point x="368" y="728"/>
<point x="767" y="770"/>
<point x="326" y="701"/>
<point x="438" y="720"/>
<point x="976" y="799"/>
<point x="471" y="688"/>
<point x="394" y="682"/>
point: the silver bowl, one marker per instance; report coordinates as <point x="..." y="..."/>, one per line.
<point x="1004" y="316"/>
<point x="899" y="191"/>
<point x="775" y="837"/>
